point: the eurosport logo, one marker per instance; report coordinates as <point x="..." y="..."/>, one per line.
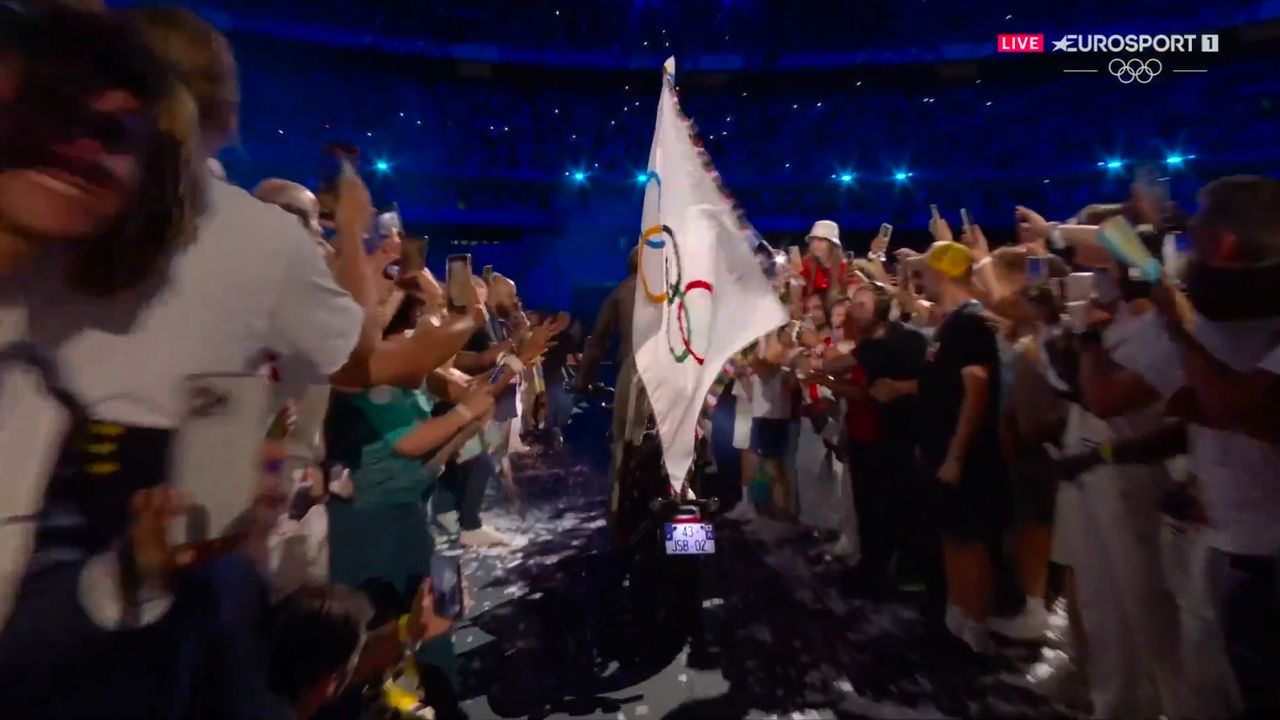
<point x="1175" y="49"/>
<point x="1181" y="43"/>
<point x="1187" y="43"/>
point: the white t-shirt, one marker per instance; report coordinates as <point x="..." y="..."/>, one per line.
<point x="252" y="281"/>
<point x="769" y="398"/>
<point x="1239" y="476"/>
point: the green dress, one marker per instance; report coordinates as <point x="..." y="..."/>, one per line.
<point x="378" y="540"/>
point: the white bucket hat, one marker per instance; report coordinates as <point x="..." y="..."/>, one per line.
<point x="825" y="229"/>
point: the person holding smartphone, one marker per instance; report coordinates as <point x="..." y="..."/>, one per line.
<point x="824" y="269"/>
<point x="958" y="442"/>
<point x="96" y="194"/>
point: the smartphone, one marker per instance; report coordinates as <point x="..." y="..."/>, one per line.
<point x="446" y="585"/>
<point x="216" y="461"/>
<point x="850" y="256"/>
<point x="457" y="277"/>
<point x="487" y="274"/>
<point x="413" y="254"/>
<point x="1177" y="253"/>
<point x="1037" y="270"/>
<point x="886" y="231"/>
<point x="934" y="214"/>
<point x="964" y="220"/>
<point x="333" y="161"/>
<point x="796" y="257"/>
<point x="1078" y="286"/>
<point x="1078" y="315"/>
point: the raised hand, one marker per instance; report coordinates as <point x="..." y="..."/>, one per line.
<point x="537" y="342"/>
<point x="424" y="623"/>
<point x="1031" y="225"/>
<point x="151" y="510"/>
<point x="976" y="241"/>
<point x="353" y="215"/>
<point x="940" y="230"/>
<point x="478" y="401"/>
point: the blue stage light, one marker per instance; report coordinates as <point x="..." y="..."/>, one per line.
<point x="902" y="175"/>
<point x="847" y="178"/>
<point x="382" y="166"/>
<point x="579" y="177"/>
<point x="642" y="178"/>
<point x="1114" y="164"/>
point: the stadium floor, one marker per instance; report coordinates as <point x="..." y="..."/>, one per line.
<point x="548" y="637"/>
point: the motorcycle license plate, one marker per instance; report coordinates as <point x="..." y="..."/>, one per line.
<point x="690" y="538"/>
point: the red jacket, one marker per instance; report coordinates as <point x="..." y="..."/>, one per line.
<point x="817" y="278"/>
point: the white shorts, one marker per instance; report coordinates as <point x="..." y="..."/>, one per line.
<point x="742" y="425"/>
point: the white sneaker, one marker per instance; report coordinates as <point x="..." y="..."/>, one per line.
<point x="482" y="537"/>
<point x="449" y="521"/>
<point x="744" y="511"/>
<point x="845" y="548"/>
<point x="1030" y="624"/>
<point x="973" y="633"/>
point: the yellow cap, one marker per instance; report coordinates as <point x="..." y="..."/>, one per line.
<point x="949" y="258"/>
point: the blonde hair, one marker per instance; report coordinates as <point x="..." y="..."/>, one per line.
<point x="201" y="58"/>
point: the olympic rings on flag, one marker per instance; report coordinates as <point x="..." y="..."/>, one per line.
<point x="647" y="241"/>
<point x="682" y="318"/>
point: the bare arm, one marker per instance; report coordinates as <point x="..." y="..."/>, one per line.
<point x="1108" y="390"/>
<point x="405" y="362"/>
<point x="428" y="435"/>
<point x="1228" y="399"/>
<point x="977" y="391"/>
<point x="475" y="363"/>
<point x="598" y="343"/>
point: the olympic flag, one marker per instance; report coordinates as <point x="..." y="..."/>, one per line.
<point x="701" y="295"/>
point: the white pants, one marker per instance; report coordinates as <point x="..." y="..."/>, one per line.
<point x="1213" y="686"/>
<point x="822" y="485"/>
<point x="1130" y="615"/>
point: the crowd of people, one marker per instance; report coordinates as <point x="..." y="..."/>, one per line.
<point x="132" y="266"/>
<point x="944" y="414"/>
<point x="950" y="414"/>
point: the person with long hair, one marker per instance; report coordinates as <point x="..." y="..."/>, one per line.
<point x="98" y="194"/>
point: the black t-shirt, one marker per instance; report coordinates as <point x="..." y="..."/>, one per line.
<point x="898" y="355"/>
<point x="480" y="341"/>
<point x="963" y="340"/>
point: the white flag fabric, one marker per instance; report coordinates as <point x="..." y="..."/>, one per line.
<point x="701" y="295"/>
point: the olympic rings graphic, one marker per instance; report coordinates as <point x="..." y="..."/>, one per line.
<point x="1135" y="70"/>
<point x="647" y="241"/>
<point x="674" y="289"/>
<point x="682" y="316"/>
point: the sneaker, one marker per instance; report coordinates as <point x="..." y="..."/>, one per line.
<point x="744" y="511"/>
<point x="971" y="632"/>
<point x="1030" y="624"/>
<point x="845" y="548"/>
<point x="448" y="522"/>
<point x="482" y="537"/>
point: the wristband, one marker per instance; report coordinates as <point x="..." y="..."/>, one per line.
<point x="1107" y="452"/>
<point x="466" y="415"/>
<point x="402" y="630"/>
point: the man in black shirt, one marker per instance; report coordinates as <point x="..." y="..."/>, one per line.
<point x="958" y="440"/>
<point x="881" y="436"/>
